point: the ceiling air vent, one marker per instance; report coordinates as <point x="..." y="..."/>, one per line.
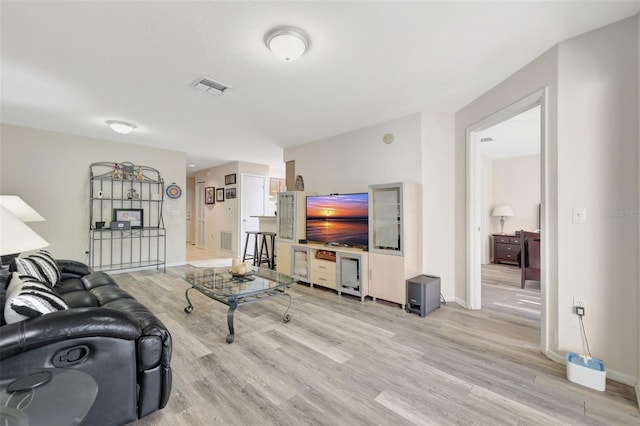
<point x="486" y="140"/>
<point x="210" y="86"/>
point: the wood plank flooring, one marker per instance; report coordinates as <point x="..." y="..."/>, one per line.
<point x="343" y="362"/>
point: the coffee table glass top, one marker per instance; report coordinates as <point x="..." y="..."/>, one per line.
<point x="222" y="285"/>
<point x="234" y="289"/>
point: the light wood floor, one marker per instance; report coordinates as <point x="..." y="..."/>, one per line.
<point x="343" y="362"/>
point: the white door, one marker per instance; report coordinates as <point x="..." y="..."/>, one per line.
<point x="253" y="203"/>
<point x="199" y="208"/>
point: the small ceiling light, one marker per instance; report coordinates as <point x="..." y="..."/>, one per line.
<point x="192" y="165"/>
<point x="287" y="43"/>
<point x="121" y="127"/>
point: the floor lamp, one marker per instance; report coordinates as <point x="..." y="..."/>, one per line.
<point x="15" y="236"/>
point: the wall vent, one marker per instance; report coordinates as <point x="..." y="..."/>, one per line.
<point x="225" y="240"/>
<point x="210" y="86"/>
<point x="486" y="140"/>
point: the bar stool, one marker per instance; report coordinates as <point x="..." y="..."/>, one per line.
<point x="268" y="249"/>
<point x="251" y="256"/>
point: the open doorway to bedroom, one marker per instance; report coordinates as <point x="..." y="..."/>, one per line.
<point x="481" y="224"/>
<point x="510" y="212"/>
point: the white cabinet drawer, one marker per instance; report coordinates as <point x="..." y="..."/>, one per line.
<point x="323" y="272"/>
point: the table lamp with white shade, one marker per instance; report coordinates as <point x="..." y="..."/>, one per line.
<point x="502" y="211"/>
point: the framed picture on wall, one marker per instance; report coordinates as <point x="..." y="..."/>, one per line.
<point x="209" y="195"/>
<point x="230" y="193"/>
<point x="220" y="195"/>
<point x="133" y="216"/>
<point x="230" y="179"/>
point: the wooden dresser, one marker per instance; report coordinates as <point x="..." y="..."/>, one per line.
<point x="506" y="248"/>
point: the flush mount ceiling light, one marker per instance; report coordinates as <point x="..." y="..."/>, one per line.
<point x="121" y="127"/>
<point x="287" y="43"/>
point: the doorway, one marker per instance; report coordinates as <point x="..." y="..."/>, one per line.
<point x="476" y="213"/>
<point x="199" y="209"/>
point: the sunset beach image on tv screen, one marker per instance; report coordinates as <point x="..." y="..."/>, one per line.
<point x="341" y="219"/>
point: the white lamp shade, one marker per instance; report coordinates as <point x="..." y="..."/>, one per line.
<point x="23" y="211"/>
<point x="502" y="210"/>
<point x="287" y="44"/>
<point x="15" y="236"/>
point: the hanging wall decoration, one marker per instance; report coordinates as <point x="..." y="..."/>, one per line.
<point x="173" y="191"/>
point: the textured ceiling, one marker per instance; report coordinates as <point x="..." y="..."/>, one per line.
<point x="69" y="66"/>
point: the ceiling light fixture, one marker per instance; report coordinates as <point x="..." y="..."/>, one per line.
<point x="287" y="43"/>
<point x="121" y="127"/>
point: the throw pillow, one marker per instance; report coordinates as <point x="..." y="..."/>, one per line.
<point x="28" y="298"/>
<point x="39" y="265"/>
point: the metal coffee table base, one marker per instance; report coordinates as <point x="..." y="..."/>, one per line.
<point x="234" y="302"/>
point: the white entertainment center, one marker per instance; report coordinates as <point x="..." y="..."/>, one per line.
<point x="380" y="270"/>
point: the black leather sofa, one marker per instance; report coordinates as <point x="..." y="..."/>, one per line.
<point x="106" y="334"/>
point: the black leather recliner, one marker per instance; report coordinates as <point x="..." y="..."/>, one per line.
<point x="107" y="334"/>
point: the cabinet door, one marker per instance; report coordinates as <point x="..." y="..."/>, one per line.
<point x="300" y="263"/>
<point x="349" y="274"/>
<point x="385" y="219"/>
<point x="386" y="278"/>
<point x="283" y="263"/>
<point x="286" y="216"/>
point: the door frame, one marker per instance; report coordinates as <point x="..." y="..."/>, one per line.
<point x="243" y="193"/>
<point x="474" y="204"/>
<point x="199" y="214"/>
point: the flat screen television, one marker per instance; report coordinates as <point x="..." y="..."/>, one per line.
<point x="338" y="219"/>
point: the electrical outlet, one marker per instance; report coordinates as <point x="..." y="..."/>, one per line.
<point x="579" y="305"/>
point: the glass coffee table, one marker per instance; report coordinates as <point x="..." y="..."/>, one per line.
<point x="234" y="289"/>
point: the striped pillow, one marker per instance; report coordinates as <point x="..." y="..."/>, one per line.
<point x="28" y="298"/>
<point x="39" y="265"/>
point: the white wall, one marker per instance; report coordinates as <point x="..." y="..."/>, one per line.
<point x="590" y="160"/>
<point x="516" y="182"/>
<point x="50" y="171"/>
<point x="438" y="198"/>
<point x="352" y="161"/>
<point x="598" y="170"/>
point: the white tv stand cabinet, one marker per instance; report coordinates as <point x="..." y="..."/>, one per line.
<point x="344" y="269"/>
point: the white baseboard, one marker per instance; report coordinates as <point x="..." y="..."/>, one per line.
<point x="143" y="268"/>
<point x="461" y="302"/>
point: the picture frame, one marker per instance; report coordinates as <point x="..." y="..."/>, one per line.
<point x="220" y="195"/>
<point x="230" y="179"/>
<point x="230" y="193"/>
<point x="209" y="195"/>
<point x="134" y="216"/>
